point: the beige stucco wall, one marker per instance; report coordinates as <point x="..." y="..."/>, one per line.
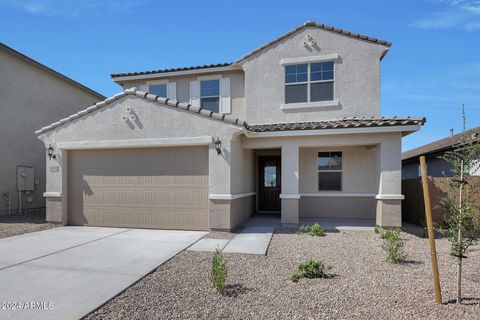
<point x="357" y="78"/>
<point x="338" y="207"/>
<point x="30" y="98"/>
<point x="358" y="168"/>
<point x="153" y="121"/>
<point x="359" y="176"/>
<point x="237" y="86"/>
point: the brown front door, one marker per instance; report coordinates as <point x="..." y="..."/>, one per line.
<point x="269" y="178"/>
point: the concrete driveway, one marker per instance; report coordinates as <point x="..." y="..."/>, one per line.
<point x="66" y="272"/>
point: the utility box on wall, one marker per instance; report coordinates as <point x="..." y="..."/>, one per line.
<point x="25" y="178"/>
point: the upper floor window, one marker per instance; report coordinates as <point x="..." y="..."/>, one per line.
<point x="210" y="94"/>
<point x="309" y="82"/>
<point x="158" y="89"/>
<point x="329" y="168"/>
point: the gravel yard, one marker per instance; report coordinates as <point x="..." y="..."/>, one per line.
<point x="364" y="286"/>
<point x="18" y="224"/>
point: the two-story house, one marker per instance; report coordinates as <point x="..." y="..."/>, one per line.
<point x="293" y="127"/>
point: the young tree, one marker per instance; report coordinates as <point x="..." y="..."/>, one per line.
<point x="461" y="227"/>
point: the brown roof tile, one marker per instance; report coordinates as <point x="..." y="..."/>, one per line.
<point x="151" y="97"/>
<point x="116" y="75"/>
<point x="337" y="124"/>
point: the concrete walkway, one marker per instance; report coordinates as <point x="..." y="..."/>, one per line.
<point x="250" y="240"/>
<point x="66" y="272"/>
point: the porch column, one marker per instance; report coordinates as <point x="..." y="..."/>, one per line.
<point x="389" y="172"/>
<point x="289" y="190"/>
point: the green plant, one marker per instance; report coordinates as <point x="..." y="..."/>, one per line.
<point x="219" y="272"/>
<point x="377" y="229"/>
<point x="393" y="244"/>
<point x="295" y="277"/>
<point x="310" y="269"/>
<point x="314" y="230"/>
<point x="461" y="228"/>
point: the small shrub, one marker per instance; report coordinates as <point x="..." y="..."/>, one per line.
<point x="314" y="230"/>
<point x="219" y="271"/>
<point x="393" y="245"/>
<point x="310" y="269"/>
<point x="377" y="229"/>
<point x="295" y="277"/>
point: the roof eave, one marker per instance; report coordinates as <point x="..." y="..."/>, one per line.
<point x="314" y="132"/>
<point x="121" y="79"/>
<point x="49" y="70"/>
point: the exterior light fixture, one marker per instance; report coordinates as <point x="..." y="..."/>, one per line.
<point x="50" y="153"/>
<point x="218" y="145"/>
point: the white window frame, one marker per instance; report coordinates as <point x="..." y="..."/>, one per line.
<point x="207" y="78"/>
<point x="157" y="82"/>
<point x="171" y="87"/>
<point x="335" y="170"/>
<point x="308" y="61"/>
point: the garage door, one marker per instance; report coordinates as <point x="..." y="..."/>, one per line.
<point x="164" y="188"/>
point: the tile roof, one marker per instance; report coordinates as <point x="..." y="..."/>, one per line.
<point x="439" y="145"/>
<point x="285" y="35"/>
<point x="321" y="26"/>
<point x="147" y="96"/>
<point x="337" y="124"/>
<point x="313" y="125"/>
<point x="116" y="75"/>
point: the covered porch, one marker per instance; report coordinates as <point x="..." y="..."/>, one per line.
<point x="337" y="179"/>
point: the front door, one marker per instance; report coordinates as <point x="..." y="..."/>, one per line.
<point x="269" y="178"/>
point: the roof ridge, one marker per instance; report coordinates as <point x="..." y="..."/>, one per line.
<point x="258" y="49"/>
<point x="318" y="25"/>
<point x="150" y="97"/>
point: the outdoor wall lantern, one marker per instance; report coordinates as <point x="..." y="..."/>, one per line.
<point x="218" y="145"/>
<point x="50" y="153"/>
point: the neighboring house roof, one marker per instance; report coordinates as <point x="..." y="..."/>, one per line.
<point x="321" y="26"/>
<point x="285" y="35"/>
<point x="147" y="96"/>
<point x="116" y="75"/>
<point x="39" y="65"/>
<point x="330" y="124"/>
<point x="344" y="123"/>
<point x="437" y="146"/>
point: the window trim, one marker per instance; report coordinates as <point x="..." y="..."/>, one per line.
<point x="335" y="170"/>
<point x="209" y="78"/>
<point x="310" y="104"/>
<point x="312" y="59"/>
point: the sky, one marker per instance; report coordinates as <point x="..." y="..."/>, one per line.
<point x="432" y="68"/>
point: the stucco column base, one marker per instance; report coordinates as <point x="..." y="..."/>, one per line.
<point x="219" y="214"/>
<point x="290" y="212"/>
<point x="55" y="212"/>
<point x="389" y="213"/>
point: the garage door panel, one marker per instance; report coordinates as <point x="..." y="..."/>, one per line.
<point x="163" y="189"/>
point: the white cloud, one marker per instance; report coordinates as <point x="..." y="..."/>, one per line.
<point x="463" y="14"/>
<point x="69" y="8"/>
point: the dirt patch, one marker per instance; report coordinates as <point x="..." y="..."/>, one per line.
<point x="16" y="224"/>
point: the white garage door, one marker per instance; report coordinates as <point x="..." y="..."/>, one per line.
<point x="165" y="188"/>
